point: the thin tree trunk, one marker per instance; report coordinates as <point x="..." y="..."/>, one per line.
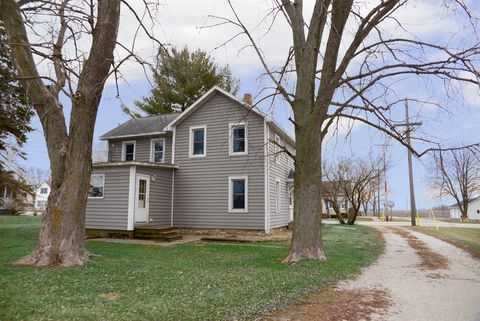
<point x="307" y="238"/>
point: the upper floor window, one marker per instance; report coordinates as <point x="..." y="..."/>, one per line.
<point x="238" y="139"/>
<point x="97" y="183"/>
<point x="43" y="190"/>
<point x="198" y="141"/>
<point x="128" y="151"/>
<point x="157" y="152"/>
<point x="238" y="194"/>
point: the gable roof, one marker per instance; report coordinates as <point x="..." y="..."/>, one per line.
<point x="187" y="112"/>
<point x="154" y="125"/>
<point x="141" y="126"/>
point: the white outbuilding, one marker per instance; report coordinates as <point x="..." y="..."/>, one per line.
<point x="473" y="212"/>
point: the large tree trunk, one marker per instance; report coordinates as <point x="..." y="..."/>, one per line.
<point x="61" y="241"/>
<point x="307" y="238"/>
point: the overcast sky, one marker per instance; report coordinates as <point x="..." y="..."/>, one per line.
<point x="184" y="22"/>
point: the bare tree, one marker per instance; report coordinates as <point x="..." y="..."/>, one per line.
<point x="62" y="234"/>
<point x="332" y="191"/>
<point x="343" y="65"/>
<point x="456" y="173"/>
<point x="354" y="178"/>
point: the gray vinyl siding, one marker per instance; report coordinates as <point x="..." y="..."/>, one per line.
<point x="111" y="211"/>
<point x="201" y="184"/>
<point x="160" y="199"/>
<point x="278" y="170"/>
<point x="142" y="148"/>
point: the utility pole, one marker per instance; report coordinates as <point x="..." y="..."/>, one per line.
<point x="407" y="124"/>
<point x="385" y="194"/>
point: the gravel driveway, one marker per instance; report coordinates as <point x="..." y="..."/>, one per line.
<point x="430" y="281"/>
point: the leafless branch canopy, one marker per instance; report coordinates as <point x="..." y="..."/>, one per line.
<point x="348" y="58"/>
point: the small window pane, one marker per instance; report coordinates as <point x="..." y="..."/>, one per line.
<point x="129" y="150"/>
<point x="238" y="186"/>
<point x="239" y="201"/>
<point x="198" y="135"/>
<point x="158" y="147"/>
<point x="239" y="132"/>
<point x="96" y="186"/>
<point x="198" y="142"/>
<point x="238" y="194"/>
<point x="142" y="191"/>
<point x="238" y="139"/>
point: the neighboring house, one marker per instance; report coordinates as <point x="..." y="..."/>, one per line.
<point x="332" y="189"/>
<point x="212" y="166"/>
<point x="41" y="197"/>
<point x="10" y="201"/>
<point x="473" y="211"/>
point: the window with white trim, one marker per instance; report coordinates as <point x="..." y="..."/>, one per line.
<point x="277" y="196"/>
<point x="157" y="151"/>
<point x="238" y="194"/>
<point x="97" y="184"/>
<point x="128" y="151"/>
<point x="198" y="141"/>
<point x="43" y="190"/>
<point x="238" y="139"/>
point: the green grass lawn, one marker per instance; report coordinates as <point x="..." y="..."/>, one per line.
<point x="182" y="282"/>
<point x="465" y="238"/>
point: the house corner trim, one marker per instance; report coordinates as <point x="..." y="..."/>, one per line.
<point x="131" y="199"/>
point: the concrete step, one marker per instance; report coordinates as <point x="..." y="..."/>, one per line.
<point x="167" y="234"/>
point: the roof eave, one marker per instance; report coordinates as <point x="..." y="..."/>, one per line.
<point x="104" y="137"/>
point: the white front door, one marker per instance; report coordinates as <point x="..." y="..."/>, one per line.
<point x="142" y="191"/>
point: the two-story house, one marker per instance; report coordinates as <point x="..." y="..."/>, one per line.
<point x="218" y="164"/>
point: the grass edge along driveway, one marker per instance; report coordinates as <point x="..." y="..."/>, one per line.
<point x="182" y="282"/>
<point x="467" y="239"/>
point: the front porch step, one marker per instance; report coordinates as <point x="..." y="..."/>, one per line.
<point x="165" y="234"/>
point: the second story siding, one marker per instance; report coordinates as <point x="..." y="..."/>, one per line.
<point x="204" y="181"/>
<point x="142" y="148"/>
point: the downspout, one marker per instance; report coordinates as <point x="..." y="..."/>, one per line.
<point x="267" y="176"/>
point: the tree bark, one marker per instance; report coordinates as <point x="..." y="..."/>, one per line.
<point x="307" y="238"/>
<point x="61" y="241"/>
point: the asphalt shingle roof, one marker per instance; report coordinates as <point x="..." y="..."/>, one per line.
<point x="140" y="126"/>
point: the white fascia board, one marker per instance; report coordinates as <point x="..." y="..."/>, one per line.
<point x="132" y="135"/>
<point x="131" y="199"/>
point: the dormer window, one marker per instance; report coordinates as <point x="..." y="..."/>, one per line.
<point x="128" y="151"/>
<point x="238" y="139"/>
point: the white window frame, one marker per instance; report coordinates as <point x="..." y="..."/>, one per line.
<point x="278" y="196"/>
<point x="230" y="194"/>
<point x="103" y="194"/>
<point x="134" y="149"/>
<point x="152" y="149"/>
<point x="230" y="138"/>
<point x="43" y="188"/>
<point x="190" y="144"/>
<point x="276" y="149"/>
